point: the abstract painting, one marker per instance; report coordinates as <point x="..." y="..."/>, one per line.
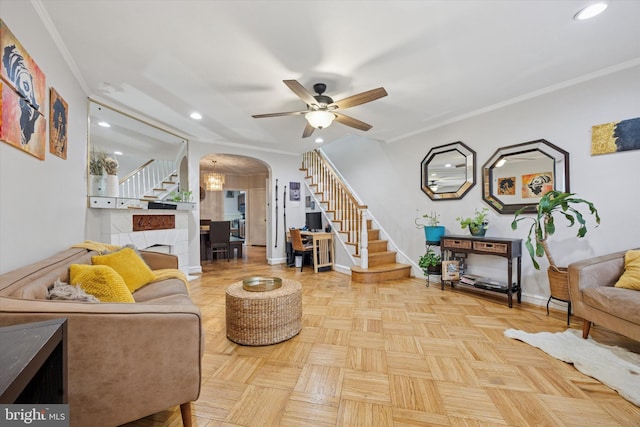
<point x="58" y="116"/>
<point x="507" y="186"/>
<point x="615" y="136"/>
<point x="20" y="71"/>
<point x="21" y="125"/>
<point x="535" y="185"/>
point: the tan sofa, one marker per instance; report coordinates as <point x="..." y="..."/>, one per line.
<point x="596" y="300"/>
<point x="125" y="360"/>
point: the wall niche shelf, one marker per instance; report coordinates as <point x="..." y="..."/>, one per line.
<point x="99" y="202"/>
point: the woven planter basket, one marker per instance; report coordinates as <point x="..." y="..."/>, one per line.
<point x="559" y="282"/>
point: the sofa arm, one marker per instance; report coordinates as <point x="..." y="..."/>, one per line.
<point x="125" y="361"/>
<point x="603" y="270"/>
<point x="159" y="260"/>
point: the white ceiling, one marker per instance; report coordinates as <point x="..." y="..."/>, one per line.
<point x="438" y="60"/>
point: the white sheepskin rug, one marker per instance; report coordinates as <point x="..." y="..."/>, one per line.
<point x="65" y="291"/>
<point x="615" y="367"/>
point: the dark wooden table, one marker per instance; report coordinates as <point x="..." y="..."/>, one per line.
<point x="33" y="357"/>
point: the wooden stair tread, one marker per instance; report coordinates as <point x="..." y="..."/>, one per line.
<point x="380" y="273"/>
<point x="381" y="268"/>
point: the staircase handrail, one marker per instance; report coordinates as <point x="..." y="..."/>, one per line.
<point x="147" y="177"/>
<point x="345" y="207"/>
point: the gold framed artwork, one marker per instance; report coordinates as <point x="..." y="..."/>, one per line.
<point x="613" y="137"/>
<point x="58" y="116"/>
<point x="23" y="95"/>
<point x="451" y="270"/>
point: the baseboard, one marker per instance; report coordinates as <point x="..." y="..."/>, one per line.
<point x="195" y="270"/>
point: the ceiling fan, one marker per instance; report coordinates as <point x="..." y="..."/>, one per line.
<point x="322" y="110"/>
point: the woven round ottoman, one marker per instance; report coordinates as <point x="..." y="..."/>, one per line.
<point x="262" y="318"/>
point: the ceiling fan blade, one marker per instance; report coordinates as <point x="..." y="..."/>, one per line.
<point x="308" y="130"/>
<point x="350" y="121"/>
<point x="291" y="113"/>
<point x="361" y="98"/>
<point x="302" y="93"/>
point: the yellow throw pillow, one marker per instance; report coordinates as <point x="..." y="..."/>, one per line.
<point x="630" y="279"/>
<point x="100" y="281"/>
<point x="128" y="264"/>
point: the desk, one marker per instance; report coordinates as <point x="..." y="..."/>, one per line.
<point x="322" y="249"/>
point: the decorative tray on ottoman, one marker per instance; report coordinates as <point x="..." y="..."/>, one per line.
<point x="261" y="284"/>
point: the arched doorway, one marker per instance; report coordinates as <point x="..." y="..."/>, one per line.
<point x="242" y="199"/>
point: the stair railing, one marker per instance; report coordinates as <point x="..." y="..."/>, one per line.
<point x="143" y="180"/>
<point x="346" y="210"/>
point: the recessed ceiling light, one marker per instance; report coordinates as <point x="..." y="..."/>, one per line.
<point x="319" y="140"/>
<point x="590" y="11"/>
<point x="118" y="153"/>
<point x="104" y="124"/>
<point x="196" y="116"/>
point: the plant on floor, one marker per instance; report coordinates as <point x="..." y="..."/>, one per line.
<point x="430" y="261"/>
<point x="543" y="224"/>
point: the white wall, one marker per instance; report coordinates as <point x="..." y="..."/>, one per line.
<point x="387" y="176"/>
<point x="43" y="203"/>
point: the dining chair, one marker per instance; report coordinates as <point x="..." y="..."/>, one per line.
<point x="219" y="232"/>
<point x="300" y="248"/>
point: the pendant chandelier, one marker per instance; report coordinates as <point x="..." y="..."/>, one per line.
<point x="213" y="181"/>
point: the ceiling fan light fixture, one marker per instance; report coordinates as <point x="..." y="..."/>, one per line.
<point x="320" y="119"/>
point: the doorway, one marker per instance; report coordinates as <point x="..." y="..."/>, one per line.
<point x="242" y="199"/>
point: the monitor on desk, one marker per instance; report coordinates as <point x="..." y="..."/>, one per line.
<point x="314" y="221"/>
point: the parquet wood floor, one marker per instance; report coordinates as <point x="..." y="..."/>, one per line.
<point x="393" y="354"/>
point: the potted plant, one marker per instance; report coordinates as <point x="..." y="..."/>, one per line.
<point x="477" y="224"/>
<point x="97" y="180"/>
<point x="432" y="231"/>
<point x="430" y="262"/>
<point x="543" y="225"/>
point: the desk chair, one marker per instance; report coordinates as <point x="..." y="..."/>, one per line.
<point x="300" y="248"/>
<point x="219" y="232"/>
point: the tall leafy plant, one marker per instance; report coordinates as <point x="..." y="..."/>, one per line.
<point x="544" y="224"/>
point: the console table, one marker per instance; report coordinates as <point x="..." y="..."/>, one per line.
<point x="507" y="248"/>
<point x="33" y="357"/>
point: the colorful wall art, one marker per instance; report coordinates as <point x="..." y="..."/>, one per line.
<point x="58" y="116"/>
<point x="507" y="186"/>
<point x="23" y="97"/>
<point x="22" y="126"/>
<point x="615" y="136"/>
<point x="535" y="185"/>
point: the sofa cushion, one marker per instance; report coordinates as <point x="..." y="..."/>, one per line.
<point x="100" y="281"/>
<point x="155" y="290"/>
<point x="630" y="279"/>
<point x="129" y="265"/>
<point x="619" y="302"/>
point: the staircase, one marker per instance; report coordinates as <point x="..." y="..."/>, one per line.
<point x="153" y="181"/>
<point x="372" y="259"/>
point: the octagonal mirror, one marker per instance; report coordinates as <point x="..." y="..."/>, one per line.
<point x="518" y="175"/>
<point x="448" y="171"/>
